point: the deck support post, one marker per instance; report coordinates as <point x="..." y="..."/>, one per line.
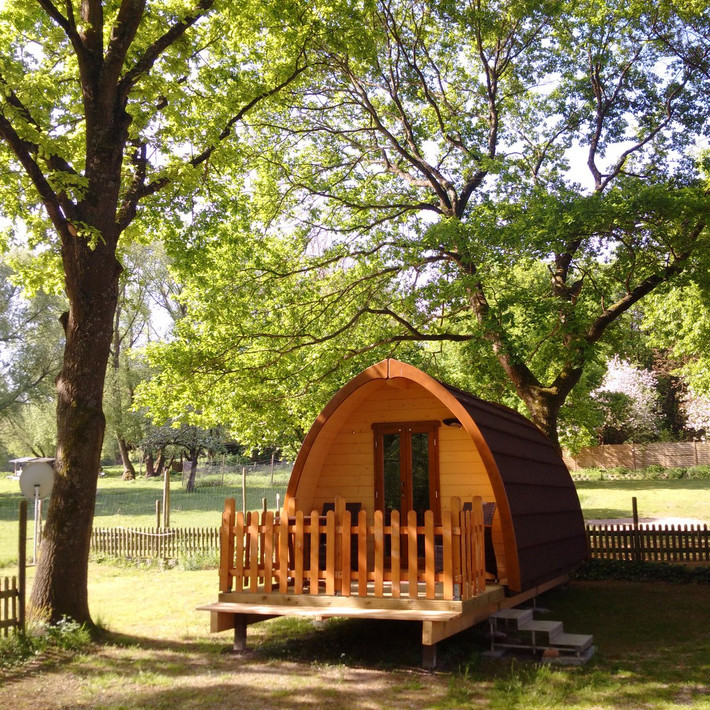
<point x="429" y="657"/>
<point x="240" y="633"/>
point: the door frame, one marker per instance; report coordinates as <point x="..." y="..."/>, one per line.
<point x="430" y="427"/>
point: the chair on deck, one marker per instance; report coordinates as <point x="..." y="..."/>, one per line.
<point x="489" y="510"/>
<point x="354" y="509"/>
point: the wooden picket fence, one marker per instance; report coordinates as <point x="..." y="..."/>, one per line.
<point x="684" y="544"/>
<point x="12" y="589"/>
<point x="154" y="543"/>
<point x="339" y="553"/>
<point x="10" y="596"/>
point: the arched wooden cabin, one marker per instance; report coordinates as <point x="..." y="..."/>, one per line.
<point x="384" y="481"/>
<point x="448" y="443"/>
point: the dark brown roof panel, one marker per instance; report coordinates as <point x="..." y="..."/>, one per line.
<point x="544" y="506"/>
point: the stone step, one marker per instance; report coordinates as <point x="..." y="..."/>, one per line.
<point x="519" y="615"/>
<point x="551" y="628"/>
<point x="559" y="644"/>
<point x="578" y="643"/>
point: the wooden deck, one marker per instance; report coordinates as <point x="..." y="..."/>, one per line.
<point x="321" y="566"/>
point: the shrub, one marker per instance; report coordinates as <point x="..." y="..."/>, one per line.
<point x="702" y="472"/>
<point x="643" y="572"/>
<point x="66" y="635"/>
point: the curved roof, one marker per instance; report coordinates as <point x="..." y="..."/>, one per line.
<point x="543" y="527"/>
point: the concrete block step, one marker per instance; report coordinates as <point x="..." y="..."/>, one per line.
<point x="519" y="615"/>
<point x="551" y="628"/>
<point x="578" y="643"/>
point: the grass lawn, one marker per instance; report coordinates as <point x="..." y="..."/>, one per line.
<point x="132" y="503"/>
<point x="653" y="652"/>
<point x="685" y="498"/>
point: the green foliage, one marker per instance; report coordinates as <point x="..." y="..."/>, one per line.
<point x="643" y="572"/>
<point x="649" y="473"/>
<point x="193" y="563"/>
<point x="66" y="635"/>
<point x="677" y="319"/>
<point x="421" y="193"/>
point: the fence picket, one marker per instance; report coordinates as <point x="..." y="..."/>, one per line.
<point x="395" y="543"/>
<point x="664" y="543"/>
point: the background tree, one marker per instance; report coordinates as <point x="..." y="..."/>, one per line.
<point x="144" y="313"/>
<point x="31" y="342"/>
<point x="106" y="106"/>
<point x="190" y="440"/>
<point x="509" y="177"/>
<point x="630" y="398"/>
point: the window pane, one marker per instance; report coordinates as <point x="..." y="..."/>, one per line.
<point x="393" y="484"/>
<point x="420" y="471"/>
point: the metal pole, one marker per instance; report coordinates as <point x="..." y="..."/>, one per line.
<point x="36" y="535"/>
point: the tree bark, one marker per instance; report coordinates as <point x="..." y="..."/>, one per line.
<point x="190" y="487"/>
<point x="60" y="587"/>
<point x="129" y="471"/>
<point x="161" y="463"/>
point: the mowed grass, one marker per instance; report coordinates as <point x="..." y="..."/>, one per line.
<point x="155" y="652"/>
<point x="685" y="498"/>
<point x="132" y="503"/>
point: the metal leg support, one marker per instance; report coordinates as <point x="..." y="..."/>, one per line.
<point x="429" y="657"/>
<point x="240" y="633"/>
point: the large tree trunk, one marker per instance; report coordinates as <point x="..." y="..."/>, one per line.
<point x="160" y="463"/>
<point x="60" y="587"/>
<point x="544" y="409"/>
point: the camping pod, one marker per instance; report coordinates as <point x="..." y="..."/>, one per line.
<point x="395" y="438"/>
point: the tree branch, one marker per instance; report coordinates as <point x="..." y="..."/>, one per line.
<point x="145" y="63"/>
<point x="21" y="150"/>
<point x="140" y="190"/>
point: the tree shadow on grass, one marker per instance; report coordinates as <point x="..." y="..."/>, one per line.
<point x="651" y="638"/>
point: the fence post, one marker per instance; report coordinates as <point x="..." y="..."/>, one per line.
<point x="157" y="514"/>
<point x="637" y="539"/>
<point x="22" y="565"/>
<point x="166" y="499"/>
<point x="244" y="490"/>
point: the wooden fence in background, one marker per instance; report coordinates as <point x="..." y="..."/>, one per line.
<point x="679" y="454"/>
<point x="155" y="543"/>
<point x="684" y="544"/>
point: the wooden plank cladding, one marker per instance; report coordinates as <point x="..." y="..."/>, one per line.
<point x="686" y="544"/>
<point x="338" y="554"/>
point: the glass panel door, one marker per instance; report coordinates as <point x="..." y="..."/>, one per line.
<point x="419" y="474"/>
<point x="392" y="473"/>
<point x="406" y="468"/>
